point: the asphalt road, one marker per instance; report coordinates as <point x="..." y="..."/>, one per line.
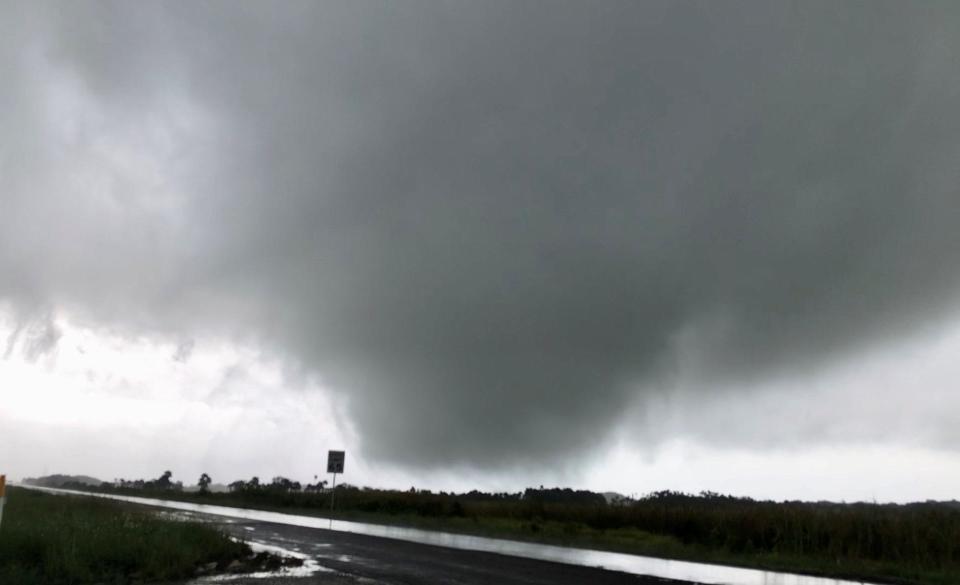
<point x="348" y="558"/>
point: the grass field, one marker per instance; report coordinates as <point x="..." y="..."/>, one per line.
<point x="53" y="540"/>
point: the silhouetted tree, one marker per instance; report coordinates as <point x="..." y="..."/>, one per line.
<point x="204" y="483"/>
<point x="163" y="481"/>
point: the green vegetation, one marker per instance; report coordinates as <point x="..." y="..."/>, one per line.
<point x="914" y="543"/>
<point x="47" y="539"/>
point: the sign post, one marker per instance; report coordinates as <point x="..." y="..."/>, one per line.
<point x="3" y="495"/>
<point x="334" y="465"/>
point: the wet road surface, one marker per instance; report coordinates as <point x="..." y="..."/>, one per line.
<point x="357" y="558"/>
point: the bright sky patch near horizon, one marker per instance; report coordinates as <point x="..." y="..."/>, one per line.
<point x="630" y="247"/>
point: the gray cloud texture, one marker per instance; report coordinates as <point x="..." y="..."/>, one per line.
<point x="493" y="227"/>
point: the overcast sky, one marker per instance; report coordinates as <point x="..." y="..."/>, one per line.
<point x="617" y="245"/>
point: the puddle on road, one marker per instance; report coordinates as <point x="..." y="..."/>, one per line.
<point x="635" y="564"/>
<point x="308" y="568"/>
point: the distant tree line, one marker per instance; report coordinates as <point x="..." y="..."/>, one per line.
<point x="278" y="484"/>
<point x="164" y="482"/>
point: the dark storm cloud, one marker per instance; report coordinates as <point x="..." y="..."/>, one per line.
<point x="493" y="227"/>
<point x="34" y="336"/>
<point x="184" y="351"/>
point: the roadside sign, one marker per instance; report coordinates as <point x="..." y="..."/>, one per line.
<point x="335" y="461"/>
<point x="334" y="465"/>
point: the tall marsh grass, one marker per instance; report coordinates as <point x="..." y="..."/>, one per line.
<point x="51" y="539"/>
